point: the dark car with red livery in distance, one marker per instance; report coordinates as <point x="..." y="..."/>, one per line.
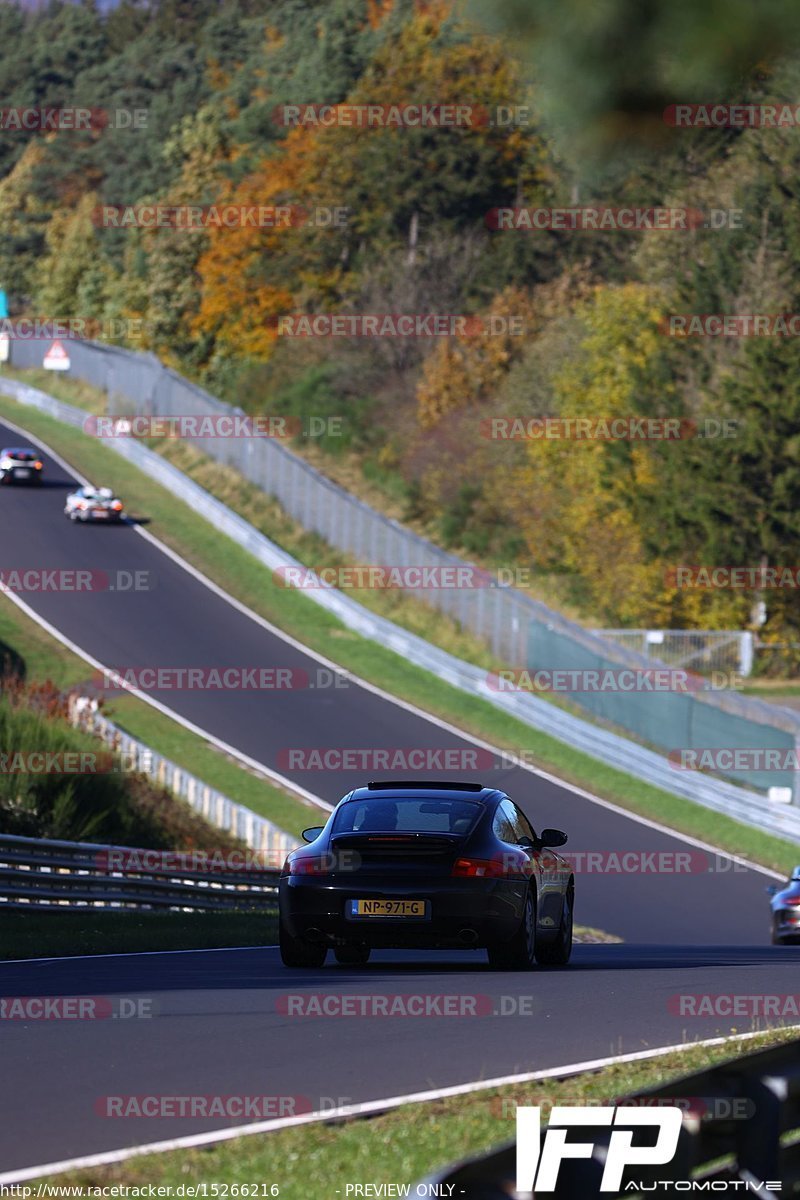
<point x="427" y="866"/>
<point x="20" y="464"/>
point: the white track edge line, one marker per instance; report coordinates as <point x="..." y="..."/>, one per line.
<point x="68" y="958"/>
<point x="62" y="462"/>
<point x="253" y="763"/>
<point x="348" y="1112"/>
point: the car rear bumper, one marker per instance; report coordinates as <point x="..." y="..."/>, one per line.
<point x="12" y="475"/>
<point x="113" y="518"/>
<point x="471" y="912"/>
<point x="787" y="926"/>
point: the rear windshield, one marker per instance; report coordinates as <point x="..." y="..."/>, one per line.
<point x="385" y="814"/>
<point x="20" y="455"/>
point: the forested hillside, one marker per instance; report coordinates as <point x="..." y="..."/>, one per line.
<point x="585" y="310"/>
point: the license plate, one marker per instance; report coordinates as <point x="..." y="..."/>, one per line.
<point x="388" y="908"/>
<point x="99" y="512"/>
<point x="22" y="472"/>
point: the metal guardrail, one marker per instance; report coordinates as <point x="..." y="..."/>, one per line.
<point x="735" y="1120"/>
<point x="750" y="807"/>
<point x="45" y="874"/>
<point x="217" y="808"/>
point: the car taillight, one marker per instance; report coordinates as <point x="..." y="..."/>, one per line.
<point x="499" y="867"/>
<point x="480" y="868"/>
<point x="792" y="902"/>
<point x="307" y="866"/>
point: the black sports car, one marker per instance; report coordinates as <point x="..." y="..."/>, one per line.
<point x="785" y="904"/>
<point x="20" y="465"/>
<point x="427" y="865"/>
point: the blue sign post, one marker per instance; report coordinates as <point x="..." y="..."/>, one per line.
<point x="5" y="344"/>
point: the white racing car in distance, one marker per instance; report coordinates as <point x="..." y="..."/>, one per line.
<point x="93" y="504"/>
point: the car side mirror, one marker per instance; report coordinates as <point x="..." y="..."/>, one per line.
<point x="552" y="837"/>
<point x="311" y="835"/>
<point x="772" y="890"/>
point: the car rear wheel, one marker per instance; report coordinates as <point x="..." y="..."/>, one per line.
<point x="557" y="953"/>
<point x="352" y="956"/>
<point x="776" y="937"/>
<point x="296" y="952"/>
<point x="520" y="953"/>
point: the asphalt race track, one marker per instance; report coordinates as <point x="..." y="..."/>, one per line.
<point x="696" y="925"/>
<point x="218" y="1029"/>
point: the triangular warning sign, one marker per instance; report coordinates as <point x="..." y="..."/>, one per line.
<point x="56" y="358"/>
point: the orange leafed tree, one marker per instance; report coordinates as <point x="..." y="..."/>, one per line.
<point x="241" y="294"/>
<point x="390" y="180"/>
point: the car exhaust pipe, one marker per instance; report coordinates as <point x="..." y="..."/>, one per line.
<point x="468" y="936"/>
<point x="314" y="935"/>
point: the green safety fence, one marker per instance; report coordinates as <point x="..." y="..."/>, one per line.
<point x="674" y="717"/>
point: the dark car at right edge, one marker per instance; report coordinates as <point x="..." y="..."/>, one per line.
<point x="785" y="905"/>
<point x="427" y="866"/>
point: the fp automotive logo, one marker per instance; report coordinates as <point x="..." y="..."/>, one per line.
<point x="538" y="1163"/>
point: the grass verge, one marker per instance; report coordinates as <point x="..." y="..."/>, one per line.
<point x="66" y="388"/>
<point x="42" y="657"/>
<point x="245" y="578"/>
<point x="67" y="934"/>
<point x="405" y="1144"/>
